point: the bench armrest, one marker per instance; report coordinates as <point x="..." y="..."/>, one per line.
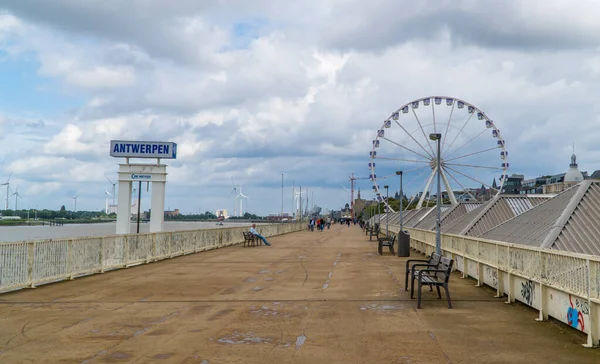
<point x="412" y="268"/>
<point x="415" y="260"/>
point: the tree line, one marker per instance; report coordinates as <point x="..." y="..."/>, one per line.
<point x="209" y="216"/>
<point x="62" y="213"/>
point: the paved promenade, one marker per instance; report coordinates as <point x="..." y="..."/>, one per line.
<point x="320" y="297"/>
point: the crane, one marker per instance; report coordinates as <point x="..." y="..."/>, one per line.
<point x="352" y="179"/>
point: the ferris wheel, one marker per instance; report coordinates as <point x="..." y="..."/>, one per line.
<point x="471" y="149"/>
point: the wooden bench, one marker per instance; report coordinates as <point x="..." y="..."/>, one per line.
<point x="374" y="232"/>
<point x="386" y="241"/>
<point x="250" y="239"/>
<point x="412" y="271"/>
<point x="435" y="277"/>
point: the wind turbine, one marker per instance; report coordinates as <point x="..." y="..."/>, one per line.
<point x="298" y="199"/>
<point x="17" y="195"/>
<point x="113" y="189"/>
<point x="106" y="194"/>
<point x="75" y="199"/>
<point x="7" y="184"/>
<point x="241" y="196"/>
<point x="233" y="191"/>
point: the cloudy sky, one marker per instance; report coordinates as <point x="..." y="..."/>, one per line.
<point x="253" y="89"/>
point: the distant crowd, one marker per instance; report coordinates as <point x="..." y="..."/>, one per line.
<point x="321" y="222"/>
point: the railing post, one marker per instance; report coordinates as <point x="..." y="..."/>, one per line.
<point x="453" y="254"/>
<point x="154" y="238"/>
<point x="465" y="267"/>
<point x="593" y="332"/>
<point x="499" y="275"/>
<point x="543" y="310"/>
<point x="511" y="289"/>
<point x="148" y="247"/>
<point x="30" y="264"/>
<point x="70" y="259"/>
<point x="479" y="266"/>
<point x="101" y="255"/>
<point x="125" y="250"/>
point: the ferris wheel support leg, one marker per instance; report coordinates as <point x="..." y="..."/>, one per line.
<point x="429" y="180"/>
<point x="448" y="188"/>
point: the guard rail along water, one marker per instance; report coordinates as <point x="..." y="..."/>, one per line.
<point x="560" y="284"/>
<point x="30" y="263"/>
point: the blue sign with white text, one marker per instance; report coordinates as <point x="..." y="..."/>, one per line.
<point x="135" y="149"/>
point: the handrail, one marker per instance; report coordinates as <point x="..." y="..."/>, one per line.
<point x="27" y="264"/>
<point x="561" y="284"/>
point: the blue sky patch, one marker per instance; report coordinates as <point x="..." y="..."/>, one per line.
<point x="23" y="91"/>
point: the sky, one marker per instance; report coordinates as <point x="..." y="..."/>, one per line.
<point x="251" y="90"/>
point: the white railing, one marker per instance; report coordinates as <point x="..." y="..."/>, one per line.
<point x="30" y="263"/>
<point x="560" y="284"/>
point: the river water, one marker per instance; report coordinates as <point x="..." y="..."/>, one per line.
<point x="20" y="233"/>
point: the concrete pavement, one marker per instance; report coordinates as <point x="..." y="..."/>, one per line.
<point x="320" y="297"/>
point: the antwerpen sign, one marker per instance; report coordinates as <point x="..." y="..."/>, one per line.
<point x="133" y="149"/>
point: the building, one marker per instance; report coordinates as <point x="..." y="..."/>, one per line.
<point x="535" y="186"/>
<point x="561" y="182"/>
<point x="287" y="216"/>
<point x="222" y="212"/>
<point x="359" y="205"/>
<point x="172" y="213"/>
<point x="595" y="175"/>
<point x="512" y="184"/>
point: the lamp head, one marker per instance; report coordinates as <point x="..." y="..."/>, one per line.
<point x="386" y="187"/>
<point x="435" y="136"/>
<point x="398" y="173"/>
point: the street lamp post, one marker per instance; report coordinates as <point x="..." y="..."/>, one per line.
<point x="438" y="243"/>
<point x="373" y="211"/>
<point x="300" y="199"/>
<point x="399" y="173"/>
<point x="387" y="212"/>
<point x="379" y="209"/>
<point x="282" y="196"/>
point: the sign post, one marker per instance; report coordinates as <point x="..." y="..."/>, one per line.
<point x="138" y="172"/>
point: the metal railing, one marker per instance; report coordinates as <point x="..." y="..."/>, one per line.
<point x="561" y="271"/>
<point x="27" y="264"/>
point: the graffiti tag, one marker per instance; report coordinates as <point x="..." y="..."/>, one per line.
<point x="575" y="313"/>
<point x="493" y="274"/>
<point x="528" y="292"/>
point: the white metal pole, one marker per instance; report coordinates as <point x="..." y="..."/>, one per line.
<point x="438" y="243"/>
<point x="387" y="211"/>
<point x="124" y="207"/>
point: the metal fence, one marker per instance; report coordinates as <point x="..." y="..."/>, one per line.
<point x="570" y="273"/>
<point x="31" y="263"/>
<point x="574" y="273"/>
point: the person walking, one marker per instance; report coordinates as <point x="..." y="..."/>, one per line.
<point x="255" y="233"/>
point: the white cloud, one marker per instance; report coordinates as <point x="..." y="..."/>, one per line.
<point x="67" y="142"/>
<point x="294" y="88"/>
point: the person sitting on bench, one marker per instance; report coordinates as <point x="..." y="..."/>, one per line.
<point x="255" y="233"/>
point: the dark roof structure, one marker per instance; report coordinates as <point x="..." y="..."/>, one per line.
<point x="570" y="221"/>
